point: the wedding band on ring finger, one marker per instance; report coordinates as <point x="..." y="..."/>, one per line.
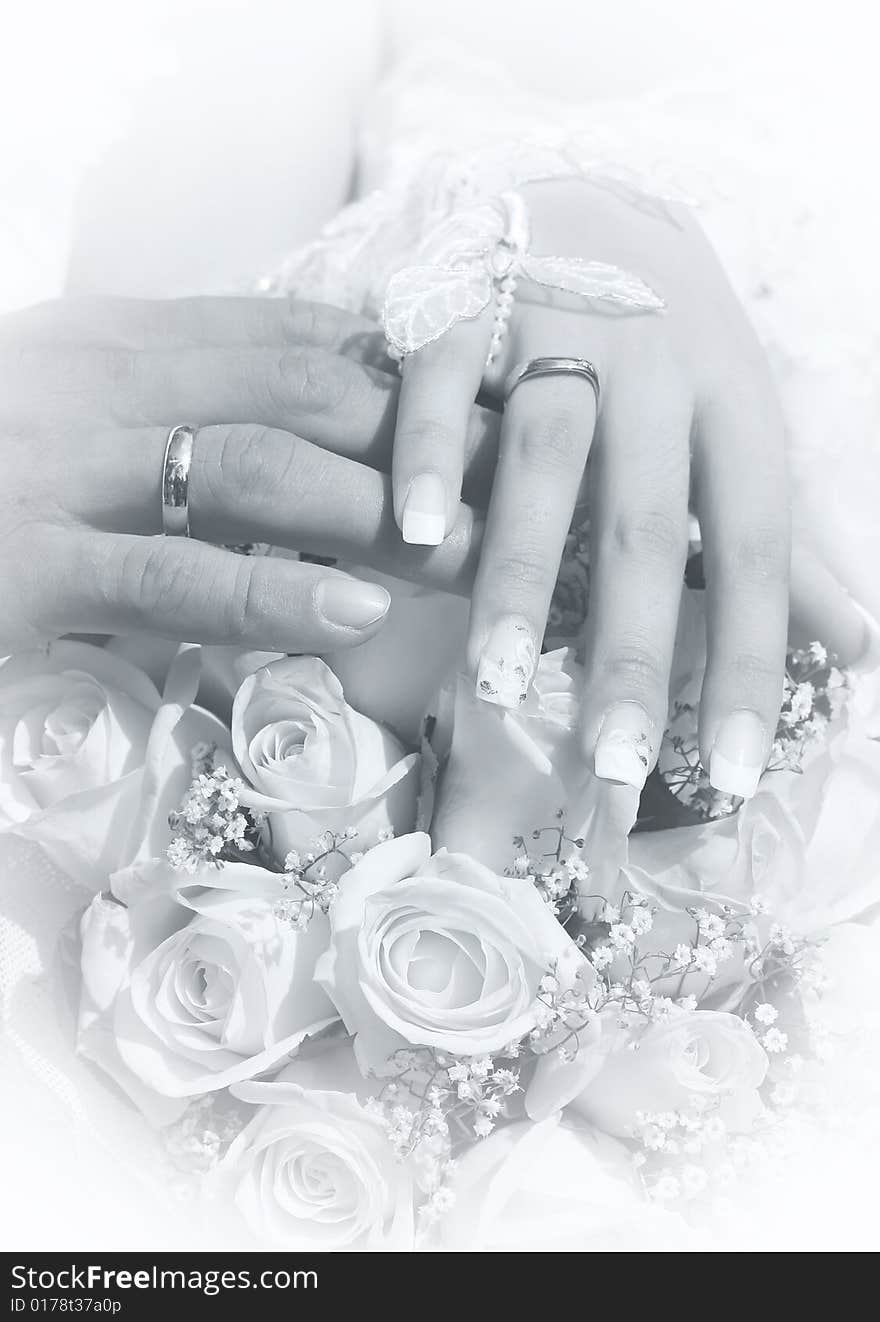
<point x="533" y="368"/>
<point x="175" y="480"/>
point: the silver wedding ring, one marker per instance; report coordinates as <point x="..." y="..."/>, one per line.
<point x="175" y="481"/>
<point x="551" y="367"/>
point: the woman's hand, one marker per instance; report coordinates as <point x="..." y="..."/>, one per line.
<point x="687" y="410"/>
<point x="88" y="393"/>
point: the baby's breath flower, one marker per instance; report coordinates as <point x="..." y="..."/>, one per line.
<point x="712" y="927"/>
<point x="774" y="1041"/>
<point x="621" y="936"/>
<point x="642" y="921"/>
<point x="705" y="960"/>
<point x="577" y="868"/>
<point x="682" y="956"/>
<point x="766" y="1013"/>
<point x="507" y="1080"/>
<point x="209" y="819"/>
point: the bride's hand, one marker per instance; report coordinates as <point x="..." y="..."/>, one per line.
<point x="687" y="409"/>
<point x="88" y="392"/>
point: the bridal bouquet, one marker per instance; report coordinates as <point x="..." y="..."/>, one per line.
<point x="390" y="969"/>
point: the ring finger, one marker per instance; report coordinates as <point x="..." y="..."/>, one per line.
<point x="250" y="483"/>
<point x="545" y="439"/>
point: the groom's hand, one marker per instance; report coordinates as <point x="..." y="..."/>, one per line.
<point x="295" y="416"/>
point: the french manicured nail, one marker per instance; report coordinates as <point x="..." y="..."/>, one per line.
<point x="623" y="749"/>
<point x="350" y="603"/>
<point x="737" y="757"/>
<point x="424" y="511"/>
<point x="507" y="663"/>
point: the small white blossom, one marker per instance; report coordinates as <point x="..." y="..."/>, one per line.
<point x="774" y="1040"/>
<point x="682" y="956"/>
<point x="705" y="960"/>
<point x="578" y="869"/>
<point x="641" y="921"/>
<point x="491" y="1106"/>
<point x="601" y="957"/>
<point x="711" y="927"/>
<point x="766" y="1013"/>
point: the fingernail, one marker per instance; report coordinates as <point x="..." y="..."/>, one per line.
<point x="737" y="757"/>
<point x="507" y="663"/>
<point x="424" y="511"/>
<point x="623" y="749"/>
<point x="351" y="603"/>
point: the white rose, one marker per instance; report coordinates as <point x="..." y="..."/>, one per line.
<point x="314" y="764"/>
<point x="315" y="1170"/>
<point x="439" y="952"/>
<point x="92" y="759"/>
<point x="545" y="1188"/>
<point x="704" y="1054"/>
<point x="507" y="773"/>
<point x="191" y="985"/>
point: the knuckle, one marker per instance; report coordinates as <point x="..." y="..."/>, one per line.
<point x="312" y="323"/>
<point x="306" y="382"/>
<point x="754" y="673"/>
<point x="155" y="583"/>
<point x="762" y="556"/>
<point x="241" y="609"/>
<point x="431" y="435"/>
<point x="555" y="442"/>
<point x="636" y="667"/>
<point x="256" y="461"/>
<point x="649" y="535"/>
<point x="518" y="570"/>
